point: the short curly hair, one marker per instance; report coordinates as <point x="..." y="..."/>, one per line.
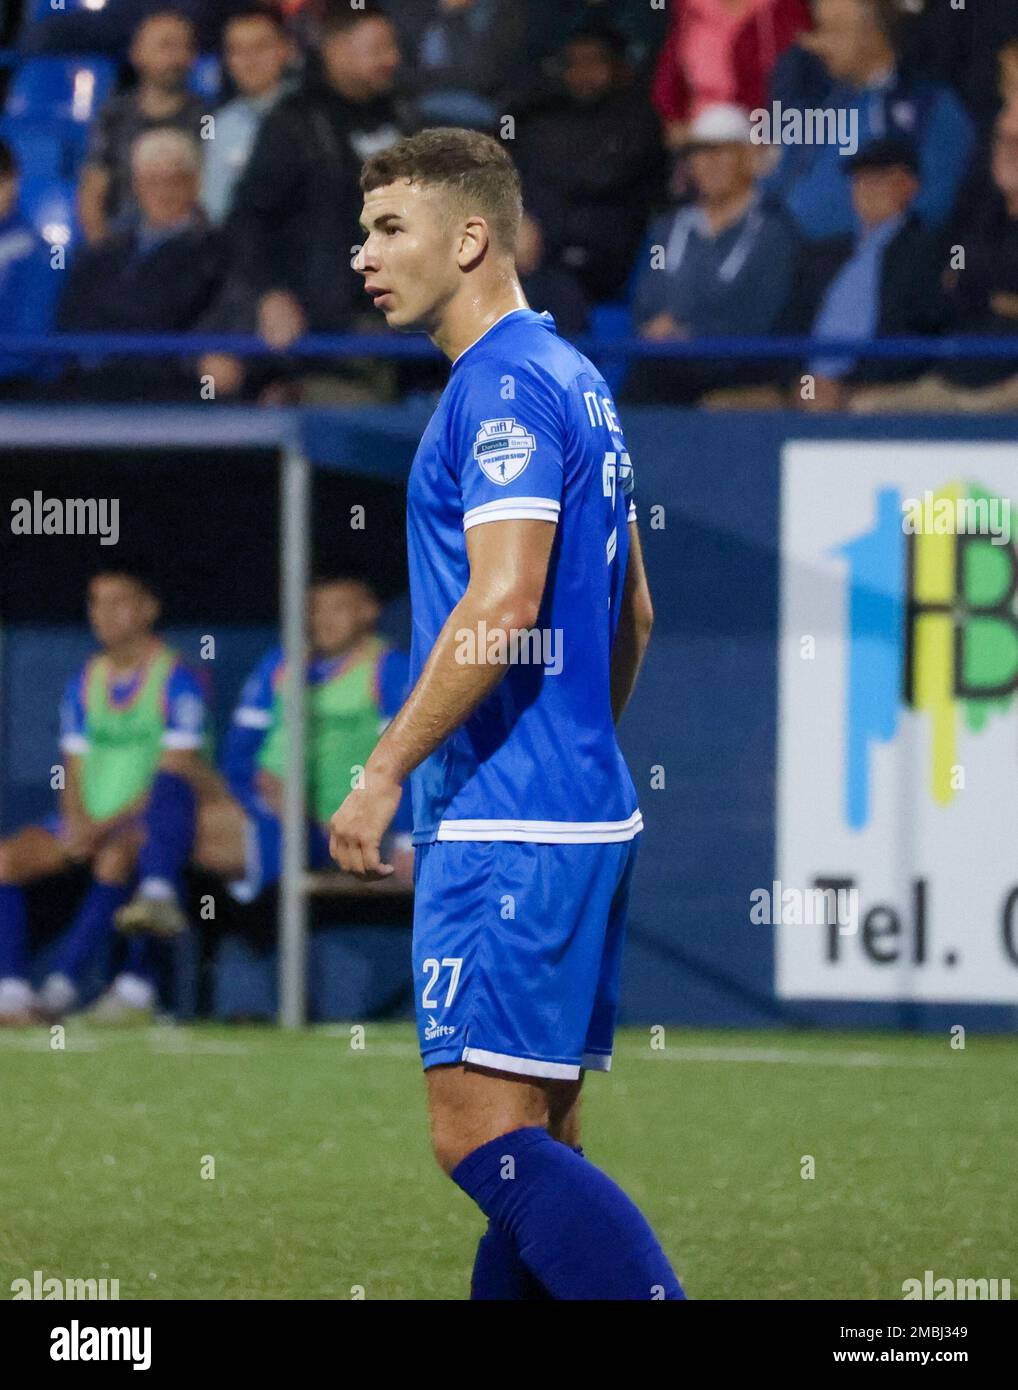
<point x="477" y="169"/>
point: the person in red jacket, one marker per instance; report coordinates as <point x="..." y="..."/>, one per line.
<point x="721" y="51"/>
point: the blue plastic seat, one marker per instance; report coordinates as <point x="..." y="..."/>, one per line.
<point x="40" y="147"/>
<point x="36" y="10"/>
<point x="51" y="208"/>
<point x="206" y="77"/>
<point x="61" y="89"/>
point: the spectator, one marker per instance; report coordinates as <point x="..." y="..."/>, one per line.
<point x="550" y="26"/>
<point x="727" y="264"/>
<point x="855" y="40"/>
<point x="549" y="288"/>
<point x="108" y="27"/>
<point x="721" y="51"/>
<point x="297" y="207"/>
<point x="958" y="45"/>
<point x="28" y="283"/>
<point x="162" y="52"/>
<point x="160" y="275"/>
<point x="469" y="52"/>
<point x="880" y="282"/>
<point x="981" y="299"/>
<point x="256" y="53"/>
<point x="592" y="164"/>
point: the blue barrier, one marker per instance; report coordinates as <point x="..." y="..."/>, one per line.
<point x="352" y="345"/>
<point x="712" y="490"/>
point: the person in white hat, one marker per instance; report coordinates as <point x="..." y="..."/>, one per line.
<point x="719" y="265"/>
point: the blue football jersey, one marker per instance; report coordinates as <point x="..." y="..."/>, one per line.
<point x="526" y="427"/>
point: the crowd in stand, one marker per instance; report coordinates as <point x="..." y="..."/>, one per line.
<point x="843" y="169"/>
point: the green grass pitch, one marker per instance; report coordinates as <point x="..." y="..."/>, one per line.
<point x="324" y="1184"/>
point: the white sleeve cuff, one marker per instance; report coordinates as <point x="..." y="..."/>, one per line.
<point x="249" y="717"/>
<point x="631" y="514"/>
<point x="513" y="509"/>
<point x="74" y="743"/>
<point x="177" y="738"/>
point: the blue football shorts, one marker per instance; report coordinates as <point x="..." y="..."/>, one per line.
<point x="517" y="953"/>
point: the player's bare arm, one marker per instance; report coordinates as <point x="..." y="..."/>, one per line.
<point x="508" y="569"/>
<point x="636" y="619"/>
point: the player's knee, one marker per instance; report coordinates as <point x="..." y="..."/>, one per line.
<point x="115" y="862"/>
<point x="447" y="1146"/>
<point x="219" y="840"/>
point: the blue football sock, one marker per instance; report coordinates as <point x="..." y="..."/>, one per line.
<point x="13" y="933"/>
<point x="499" y="1272"/>
<point x="91" y="928"/>
<point x="575" y="1229"/>
<point x="139" y="959"/>
<point x="169" y="823"/>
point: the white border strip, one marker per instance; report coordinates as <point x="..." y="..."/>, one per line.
<point x="177" y="738"/>
<point x="523" y="1066"/>
<point x="248" y="717"/>
<point x="543" y="832"/>
<point x="513" y="509"/>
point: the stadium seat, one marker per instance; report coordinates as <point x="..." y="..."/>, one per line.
<point x="49" y="204"/>
<point x="39" y="147"/>
<point x="37" y="10"/>
<point x="67" y="90"/>
<point x="206" y="78"/>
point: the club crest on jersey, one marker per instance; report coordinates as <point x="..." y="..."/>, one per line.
<point x="503" y="449"/>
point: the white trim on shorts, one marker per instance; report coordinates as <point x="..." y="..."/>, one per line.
<point x="534" y="1066"/>
<point x="544" y="832"/>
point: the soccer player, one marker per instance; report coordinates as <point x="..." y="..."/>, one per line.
<point x="531" y="613"/>
<point x="132" y="723"/>
<point x="356" y="681"/>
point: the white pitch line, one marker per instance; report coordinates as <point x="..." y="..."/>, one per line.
<point x="790" y="1056"/>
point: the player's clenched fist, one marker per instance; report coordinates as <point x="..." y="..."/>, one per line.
<point x="357" y="828"/>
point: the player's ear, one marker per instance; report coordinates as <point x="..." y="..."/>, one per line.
<point x="473" y="242"/>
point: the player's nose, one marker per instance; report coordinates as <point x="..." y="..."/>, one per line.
<point x="365" y="260"/>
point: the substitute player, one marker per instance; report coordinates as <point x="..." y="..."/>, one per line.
<point x="132" y="726"/>
<point x="531" y="614"/>
<point x="356" y="681"/>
